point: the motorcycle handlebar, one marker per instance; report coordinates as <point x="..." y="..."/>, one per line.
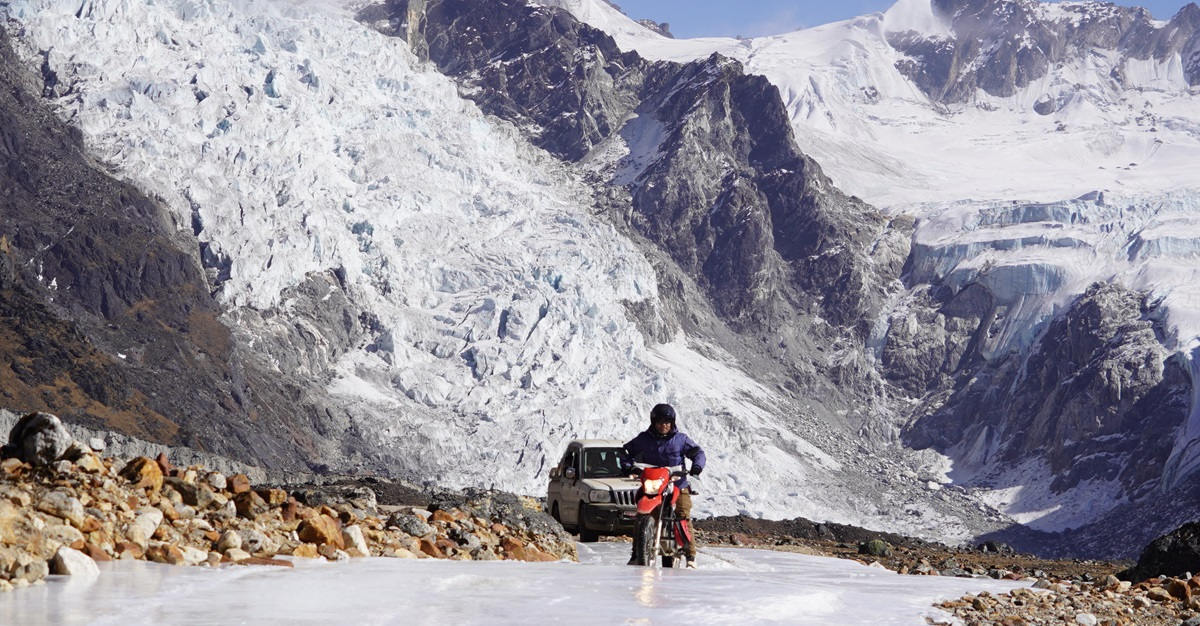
<point x="677" y="471"/>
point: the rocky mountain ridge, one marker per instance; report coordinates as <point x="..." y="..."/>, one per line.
<point x="1003" y="46"/>
<point x="125" y="284"/>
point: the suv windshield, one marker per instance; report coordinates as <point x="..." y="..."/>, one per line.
<point x="602" y="462"/>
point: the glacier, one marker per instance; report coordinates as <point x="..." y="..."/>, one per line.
<point x="291" y="144"/>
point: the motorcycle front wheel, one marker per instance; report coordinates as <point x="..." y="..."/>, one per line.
<point x="645" y="541"/>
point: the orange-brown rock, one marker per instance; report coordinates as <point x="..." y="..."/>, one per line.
<point x="13" y="466"/>
<point x="513" y="548"/>
<point x="258" y="560"/>
<point x="96" y="552"/>
<point x="90" y="524"/>
<point x="273" y="497"/>
<point x="250" y="505"/>
<point x="430" y="549"/>
<point x="238" y="483"/>
<point x="534" y="554"/>
<point x="290" y="510"/>
<point x="321" y="530"/>
<point x="1179" y="589"/>
<point x="143" y="473"/>
<point x="306" y="550"/>
<point x="442" y="516"/>
<point x="165" y="553"/>
<point x="164" y="463"/>
<point x="1158" y="594"/>
<point x="130" y="550"/>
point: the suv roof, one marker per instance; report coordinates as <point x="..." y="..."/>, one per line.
<point x="599" y="443"/>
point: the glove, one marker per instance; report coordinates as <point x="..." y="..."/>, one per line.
<point x="695" y="471"/>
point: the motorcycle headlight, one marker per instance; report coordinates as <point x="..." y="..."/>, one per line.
<point x="651" y="487"/>
<point x="600" y="495"/>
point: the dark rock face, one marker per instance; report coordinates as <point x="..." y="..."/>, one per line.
<point x="1093" y="399"/>
<point x="728" y="196"/>
<point x="929" y="341"/>
<point x="1174" y="554"/>
<point x="1001" y="46"/>
<point x="106" y="318"/>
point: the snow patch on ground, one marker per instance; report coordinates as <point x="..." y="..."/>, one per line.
<point x="743" y="586"/>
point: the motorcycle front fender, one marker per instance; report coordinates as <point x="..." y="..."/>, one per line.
<point x="647" y="504"/>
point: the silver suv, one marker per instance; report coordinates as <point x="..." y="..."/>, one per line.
<point x="588" y="492"/>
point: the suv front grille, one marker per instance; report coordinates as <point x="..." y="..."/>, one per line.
<point x="625" y="497"/>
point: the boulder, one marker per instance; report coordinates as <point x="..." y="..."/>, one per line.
<point x="250" y="505"/>
<point x="254" y="541"/>
<point x="352" y="538"/>
<point x="39" y="439"/>
<point x="411" y="524"/>
<point x="92" y="463"/>
<point x="306" y="550"/>
<point x="193" y="494"/>
<point x="62" y="505"/>
<point x="216" y="480"/>
<point x="193" y="556"/>
<point x="230" y="539"/>
<point x="321" y="530"/>
<point x="29" y="568"/>
<point x="143" y="473"/>
<point x="273" y="497"/>
<point x="142" y="528"/>
<point x="17" y="528"/>
<point x="238" y="483"/>
<point x="233" y="555"/>
<point x="875" y="547"/>
<point x="56" y="535"/>
<point x="1173" y="554"/>
<point x="70" y="562"/>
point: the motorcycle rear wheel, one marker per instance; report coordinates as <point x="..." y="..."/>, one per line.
<point x="646" y="541"/>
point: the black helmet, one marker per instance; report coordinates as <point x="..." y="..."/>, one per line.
<point x="662" y="413"/>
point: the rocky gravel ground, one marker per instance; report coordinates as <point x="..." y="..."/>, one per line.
<point x="1066" y="591"/>
<point x="64" y="506"/>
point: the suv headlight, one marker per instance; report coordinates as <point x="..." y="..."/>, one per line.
<point x="599" y="495"/>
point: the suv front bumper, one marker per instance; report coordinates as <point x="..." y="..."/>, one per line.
<point x="610" y="518"/>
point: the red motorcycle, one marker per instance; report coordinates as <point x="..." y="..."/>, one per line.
<point x="658" y="532"/>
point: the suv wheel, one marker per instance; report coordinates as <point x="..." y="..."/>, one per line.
<point x="586" y="535"/>
<point x="558" y="518"/>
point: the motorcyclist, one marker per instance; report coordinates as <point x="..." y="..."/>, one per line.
<point x="663" y="445"/>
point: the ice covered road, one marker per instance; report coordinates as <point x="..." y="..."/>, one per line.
<point x="731" y="586"/>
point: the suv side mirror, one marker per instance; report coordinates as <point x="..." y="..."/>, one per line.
<point x="569" y="473"/>
<point x="554" y="472"/>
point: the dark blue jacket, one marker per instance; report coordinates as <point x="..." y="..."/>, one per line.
<point x="651" y="448"/>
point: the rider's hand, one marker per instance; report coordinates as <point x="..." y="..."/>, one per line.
<point x="695" y="471"/>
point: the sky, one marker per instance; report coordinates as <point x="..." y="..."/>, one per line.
<point x="754" y="18"/>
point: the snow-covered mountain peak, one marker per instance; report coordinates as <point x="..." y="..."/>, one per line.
<point x="915" y="16"/>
